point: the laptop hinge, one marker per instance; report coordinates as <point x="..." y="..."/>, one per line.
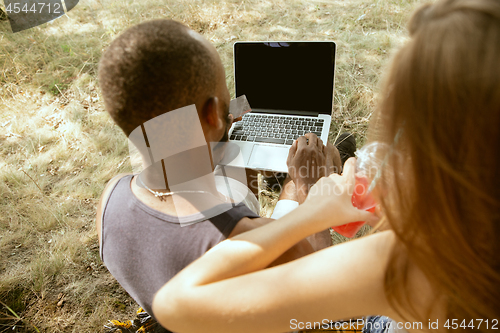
<point x="287" y="112"/>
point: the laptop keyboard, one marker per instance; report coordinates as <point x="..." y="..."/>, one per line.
<point x="274" y="129"/>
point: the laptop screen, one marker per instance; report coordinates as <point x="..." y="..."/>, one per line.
<point x="286" y="76"/>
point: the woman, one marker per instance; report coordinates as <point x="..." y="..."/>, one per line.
<point x="439" y="264"/>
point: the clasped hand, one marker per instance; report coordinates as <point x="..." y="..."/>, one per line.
<point x="309" y="160"/>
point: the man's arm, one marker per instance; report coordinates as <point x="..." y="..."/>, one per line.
<point x="301" y="249"/>
<point x="318" y="241"/>
<point x="301" y="171"/>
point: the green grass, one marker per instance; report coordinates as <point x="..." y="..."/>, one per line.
<point x="58" y="147"/>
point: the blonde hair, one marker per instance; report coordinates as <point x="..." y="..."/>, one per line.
<point x="442" y="94"/>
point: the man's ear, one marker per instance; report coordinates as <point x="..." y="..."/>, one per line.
<point x="210" y="113"/>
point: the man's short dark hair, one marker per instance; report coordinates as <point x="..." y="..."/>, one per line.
<point x="152" y="68"/>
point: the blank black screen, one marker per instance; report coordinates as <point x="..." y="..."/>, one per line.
<point x="286" y="75"/>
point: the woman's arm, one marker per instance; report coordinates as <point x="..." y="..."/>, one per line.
<point x="341" y="282"/>
<point x="224" y="291"/>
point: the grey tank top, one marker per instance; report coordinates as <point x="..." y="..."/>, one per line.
<point x="144" y="248"/>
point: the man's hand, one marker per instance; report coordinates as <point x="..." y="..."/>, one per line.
<point x="306" y="163"/>
<point x="333" y="161"/>
<point x="308" y="160"/>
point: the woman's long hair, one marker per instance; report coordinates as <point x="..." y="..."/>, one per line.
<point x="442" y="95"/>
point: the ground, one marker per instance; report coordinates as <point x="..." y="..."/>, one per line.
<point x="58" y="147"/>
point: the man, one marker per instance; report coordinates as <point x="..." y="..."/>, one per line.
<point x="152" y="225"/>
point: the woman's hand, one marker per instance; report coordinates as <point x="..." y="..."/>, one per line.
<point x="330" y="199"/>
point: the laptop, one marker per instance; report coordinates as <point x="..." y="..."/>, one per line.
<point x="289" y="86"/>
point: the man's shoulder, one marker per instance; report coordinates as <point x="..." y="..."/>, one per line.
<point x="115" y="180"/>
<point x="108" y="188"/>
<point x="104" y="196"/>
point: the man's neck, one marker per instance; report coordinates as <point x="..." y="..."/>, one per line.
<point x="195" y="195"/>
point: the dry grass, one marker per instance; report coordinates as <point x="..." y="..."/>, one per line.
<point x="58" y="147"/>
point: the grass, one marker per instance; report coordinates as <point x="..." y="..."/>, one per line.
<point x="58" y="147"/>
